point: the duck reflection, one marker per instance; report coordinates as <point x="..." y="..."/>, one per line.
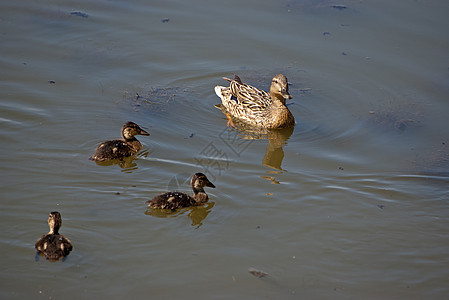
<point x="277" y="138"/>
<point x="274" y="154"/>
<point x="272" y="179"/>
<point x="128" y="164"/>
<point x="197" y="214"/>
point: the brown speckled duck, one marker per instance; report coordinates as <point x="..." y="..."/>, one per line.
<point x="53" y="245"/>
<point x="120" y="149"/>
<point x="175" y="200"/>
<point x="257" y="107"/>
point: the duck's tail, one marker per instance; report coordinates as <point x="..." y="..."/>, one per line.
<point x="236" y="78"/>
<point x="219" y="91"/>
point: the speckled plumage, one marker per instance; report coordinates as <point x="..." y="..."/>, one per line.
<point x="119" y="149"/>
<point x="175" y="200"/>
<point x="257" y="107"/>
<point x="54" y="246"/>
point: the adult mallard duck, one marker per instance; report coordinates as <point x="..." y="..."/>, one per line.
<point x="175" y="200"/>
<point x="54" y="245"/>
<point x="119" y="149"/>
<point x="257" y="107"/>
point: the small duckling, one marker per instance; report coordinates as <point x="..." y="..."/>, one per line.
<point x="54" y="245"/>
<point x="175" y="200"/>
<point x="119" y="149"/>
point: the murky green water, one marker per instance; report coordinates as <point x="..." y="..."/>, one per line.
<point x="351" y="204"/>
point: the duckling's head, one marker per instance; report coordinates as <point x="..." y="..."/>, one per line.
<point x="54" y="222"/>
<point x="279" y="88"/>
<point x="199" y="181"/>
<point x="130" y="129"/>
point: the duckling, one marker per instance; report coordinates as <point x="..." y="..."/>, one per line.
<point x="54" y="245"/>
<point x="175" y="200"/>
<point x="257" y="107"/>
<point x="119" y="149"/>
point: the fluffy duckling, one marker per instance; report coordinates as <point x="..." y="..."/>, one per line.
<point x="174" y="200"/>
<point x="119" y="149"/>
<point x="257" y="107"/>
<point x="54" y="245"/>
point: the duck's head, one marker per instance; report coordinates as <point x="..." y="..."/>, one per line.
<point x="199" y="181"/>
<point x="130" y="129"/>
<point x="279" y="88"/>
<point x="54" y="222"/>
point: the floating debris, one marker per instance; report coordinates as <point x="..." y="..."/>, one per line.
<point x="165" y="20"/>
<point x="339" y="6"/>
<point x="155" y="98"/>
<point x="51" y="82"/>
<point x="257" y="273"/>
<point x="79" y="14"/>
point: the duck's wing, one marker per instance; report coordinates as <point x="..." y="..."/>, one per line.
<point x="244" y="101"/>
<point x="234" y="87"/>
<point x="42" y="243"/>
<point x="114" y="149"/>
<point x="53" y="246"/>
<point x="248" y="94"/>
<point x="171" y="200"/>
<point x="65" y="245"/>
<point x="253" y="98"/>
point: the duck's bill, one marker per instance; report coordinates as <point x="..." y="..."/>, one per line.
<point x="210" y="184"/>
<point x="143" y="132"/>
<point x="286" y="95"/>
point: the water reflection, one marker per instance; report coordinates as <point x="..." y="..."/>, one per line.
<point x="38" y="255"/>
<point x="277" y="138"/>
<point x="196" y="213"/>
<point x="127" y="164"/>
<point x="199" y="213"/>
<point x="274" y="154"/>
<point x="272" y="179"/>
